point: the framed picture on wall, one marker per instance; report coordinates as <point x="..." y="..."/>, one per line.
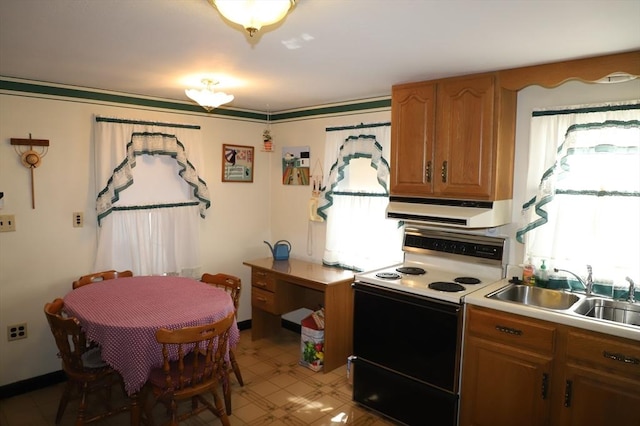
<point x="237" y="163"/>
<point x="295" y="165"/>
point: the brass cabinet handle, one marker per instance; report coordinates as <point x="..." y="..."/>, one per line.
<point x="509" y="330"/>
<point x="260" y="273"/>
<point x="261" y="299"/>
<point x="621" y="358"/>
<point x="443" y="172"/>
<point x="260" y="284"/>
<point x="427" y="172"/>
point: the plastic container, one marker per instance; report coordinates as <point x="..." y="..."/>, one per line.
<point x="542" y="280"/>
<point x="528" y="274"/>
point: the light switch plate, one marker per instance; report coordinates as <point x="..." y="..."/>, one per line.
<point x="78" y="220"/>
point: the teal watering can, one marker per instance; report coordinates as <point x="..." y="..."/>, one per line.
<point x="280" y="249"/>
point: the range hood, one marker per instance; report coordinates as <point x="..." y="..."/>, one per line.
<point x="454" y="213"/>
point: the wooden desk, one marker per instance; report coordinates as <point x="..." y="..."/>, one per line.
<point x="282" y="286"/>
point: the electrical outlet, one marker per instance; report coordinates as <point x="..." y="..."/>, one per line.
<point x="17" y="332"/>
<point x="7" y="223"/>
<point x="78" y="220"/>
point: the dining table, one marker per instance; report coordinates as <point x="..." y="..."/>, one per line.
<point x="122" y="316"/>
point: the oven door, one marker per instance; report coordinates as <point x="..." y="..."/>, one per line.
<point x="409" y="334"/>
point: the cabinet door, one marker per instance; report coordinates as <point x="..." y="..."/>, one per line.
<point x="597" y="398"/>
<point x="412" y="133"/>
<point x="503" y="386"/>
<point x="465" y="138"/>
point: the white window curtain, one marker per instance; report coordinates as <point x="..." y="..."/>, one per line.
<point x="354" y="201"/>
<point x="584" y="169"/>
<point x="150" y="196"/>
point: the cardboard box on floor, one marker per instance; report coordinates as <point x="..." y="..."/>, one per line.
<point x="312" y="341"/>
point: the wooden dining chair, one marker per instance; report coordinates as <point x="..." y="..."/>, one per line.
<point x="82" y="364"/>
<point x="232" y="285"/>
<point x="100" y="276"/>
<point x="189" y="372"/>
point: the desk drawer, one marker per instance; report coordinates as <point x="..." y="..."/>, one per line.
<point x="264" y="300"/>
<point x="263" y="279"/>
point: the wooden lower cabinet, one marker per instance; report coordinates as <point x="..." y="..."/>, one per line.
<point x="597" y="398"/>
<point x="506" y="358"/>
<point x="496" y="391"/>
<point x="523" y="371"/>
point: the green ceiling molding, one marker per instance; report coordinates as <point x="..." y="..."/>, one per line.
<point x="42" y="89"/>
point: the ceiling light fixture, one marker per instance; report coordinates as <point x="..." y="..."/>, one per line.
<point x="253" y="14"/>
<point x="206" y="97"/>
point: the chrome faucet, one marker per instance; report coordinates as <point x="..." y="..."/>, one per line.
<point x="588" y="286"/>
<point x="632" y="291"/>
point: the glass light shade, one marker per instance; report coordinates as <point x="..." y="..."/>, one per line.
<point x="207" y="98"/>
<point x="253" y="14"/>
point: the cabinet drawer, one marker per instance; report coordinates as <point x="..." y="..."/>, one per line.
<point x="512" y="329"/>
<point x="263" y="279"/>
<point x="605" y="352"/>
<point x="264" y="300"/>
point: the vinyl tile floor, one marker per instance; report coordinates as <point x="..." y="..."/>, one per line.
<point x="276" y="391"/>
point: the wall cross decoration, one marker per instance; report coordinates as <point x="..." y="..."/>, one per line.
<point x="31" y="158"/>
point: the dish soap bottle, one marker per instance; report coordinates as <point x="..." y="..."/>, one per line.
<point x="543" y="276"/>
<point x="528" y="271"/>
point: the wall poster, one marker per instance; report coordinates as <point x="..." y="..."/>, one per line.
<point x="237" y="163"/>
<point x="295" y="165"/>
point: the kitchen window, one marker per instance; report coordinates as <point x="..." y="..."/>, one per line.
<point x="150" y="196"/>
<point x="355" y="197"/>
<point x="584" y="170"/>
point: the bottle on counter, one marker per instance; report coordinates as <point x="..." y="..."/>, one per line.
<point x="543" y="275"/>
<point x="528" y="273"/>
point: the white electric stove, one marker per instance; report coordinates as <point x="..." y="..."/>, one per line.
<point x="443" y="265"/>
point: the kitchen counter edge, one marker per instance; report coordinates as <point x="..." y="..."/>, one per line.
<point x="478" y="298"/>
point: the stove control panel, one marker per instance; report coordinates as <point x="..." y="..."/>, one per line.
<point x="446" y="244"/>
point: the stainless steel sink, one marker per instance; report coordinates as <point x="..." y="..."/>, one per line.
<point x="609" y="310"/>
<point x="536" y="296"/>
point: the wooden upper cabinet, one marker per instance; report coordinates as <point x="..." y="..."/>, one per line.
<point x="412" y="133"/>
<point x="453" y="138"/>
<point x="464" y="144"/>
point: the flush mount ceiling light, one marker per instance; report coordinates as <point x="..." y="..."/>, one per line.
<point x="253" y="14"/>
<point x="206" y="97"/>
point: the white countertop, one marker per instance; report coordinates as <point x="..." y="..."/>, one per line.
<point x="478" y="298"/>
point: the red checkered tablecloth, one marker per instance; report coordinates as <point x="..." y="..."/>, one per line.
<point x="122" y="316"/>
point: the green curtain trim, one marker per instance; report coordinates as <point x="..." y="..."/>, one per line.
<point x="597" y="125"/>
<point x="146" y="123"/>
<point x="359" y="126"/>
<point x="361" y="194"/>
<point x="564" y="167"/>
<point x="345" y="162"/>
<point x="155" y="206"/>
<point x="591" y="150"/>
<point x="586" y="110"/>
<point x="598" y="193"/>
<point x="183" y="168"/>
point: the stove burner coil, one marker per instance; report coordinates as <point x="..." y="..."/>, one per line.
<point x="388" y="275"/>
<point x="446" y="286"/>
<point x="410" y="270"/>
<point x="467" y="280"/>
